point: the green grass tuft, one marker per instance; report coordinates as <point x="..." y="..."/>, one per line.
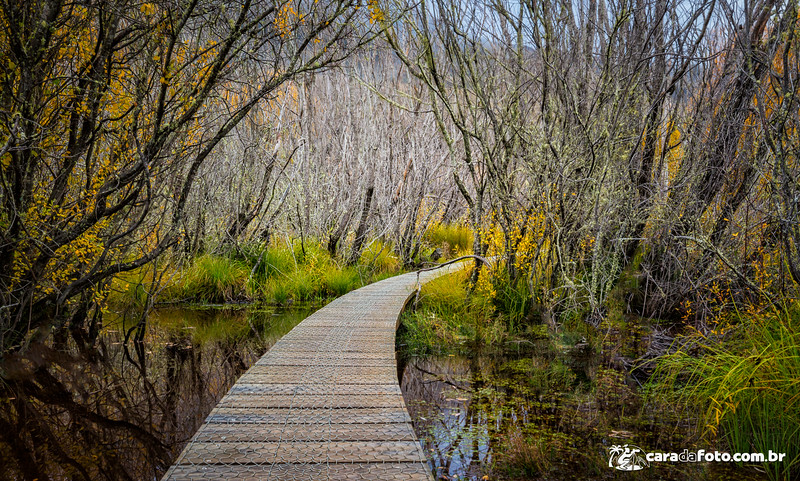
<point x="454" y="239"/>
<point x="210" y="278"/>
<point x="339" y="282"/>
<point x="746" y="386"/>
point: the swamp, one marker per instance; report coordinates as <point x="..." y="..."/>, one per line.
<point x="182" y="181"/>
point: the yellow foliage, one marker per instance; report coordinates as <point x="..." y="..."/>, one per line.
<point x="285" y="19"/>
<point x="376" y="14"/>
<point x="65" y="90"/>
<point x="525" y="235"/>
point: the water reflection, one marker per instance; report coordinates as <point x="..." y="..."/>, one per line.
<point x="539" y="414"/>
<point x="445" y="392"/>
<point x="95" y="407"/>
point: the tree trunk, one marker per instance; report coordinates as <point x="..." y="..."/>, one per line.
<point x="358" y="243"/>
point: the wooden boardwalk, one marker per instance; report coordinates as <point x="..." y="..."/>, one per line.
<point x="323" y="403"/>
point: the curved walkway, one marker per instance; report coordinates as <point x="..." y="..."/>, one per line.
<point x="322" y="403"/>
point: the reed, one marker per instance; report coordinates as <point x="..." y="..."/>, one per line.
<point x="745" y="384"/>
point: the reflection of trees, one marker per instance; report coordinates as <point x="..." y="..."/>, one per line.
<point x="449" y="405"/>
<point x="97" y="408"/>
<point x="491" y="397"/>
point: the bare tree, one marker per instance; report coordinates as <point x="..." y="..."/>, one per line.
<point x="109" y="111"/>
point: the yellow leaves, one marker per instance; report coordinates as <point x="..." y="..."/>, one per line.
<point x="376" y="14"/>
<point x="44" y="220"/>
<point x="525" y="236"/>
<point x="285" y="18"/>
<point x="147" y="9"/>
<point x="485" y="286"/>
<point x="687" y="309"/>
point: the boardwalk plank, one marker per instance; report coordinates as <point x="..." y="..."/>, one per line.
<point x="323" y="403"/>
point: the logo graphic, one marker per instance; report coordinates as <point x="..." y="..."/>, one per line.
<point x="627" y="458"/>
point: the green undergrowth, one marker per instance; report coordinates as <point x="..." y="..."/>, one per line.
<point x="735" y="388"/>
<point x="452" y="239"/>
<point x="209" y="278"/>
<point x="442" y="317"/>
<point x="281" y="274"/>
<point x="449" y="317"/>
<point x="743" y="384"/>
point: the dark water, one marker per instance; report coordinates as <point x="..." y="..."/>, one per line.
<point x="100" y="408"/>
<point x="103" y="408"/>
<point x="534" y="412"/>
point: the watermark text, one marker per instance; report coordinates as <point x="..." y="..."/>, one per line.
<point x="629" y="457"/>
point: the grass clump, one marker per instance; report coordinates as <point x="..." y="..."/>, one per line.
<point x="512" y="302"/>
<point x="271" y="262"/>
<point x="209" y="278"/>
<point x="746" y="384"/>
<point x="337" y="282"/>
<point x="452" y="238"/>
<point x="380" y="258"/>
<point x="447" y="316"/>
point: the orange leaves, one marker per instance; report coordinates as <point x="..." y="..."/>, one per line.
<point x="147" y="9"/>
<point x="286" y="19"/>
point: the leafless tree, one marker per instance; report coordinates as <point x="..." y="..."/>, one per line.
<point x="109" y="111"/>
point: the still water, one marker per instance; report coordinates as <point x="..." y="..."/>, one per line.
<point x="102" y="408"/>
<point x="533" y="412"/>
